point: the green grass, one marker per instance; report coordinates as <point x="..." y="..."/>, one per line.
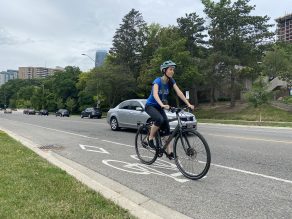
<point x="30" y="187"/>
<point x="249" y="115"/>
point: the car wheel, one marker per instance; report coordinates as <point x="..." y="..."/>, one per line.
<point x="81" y="116"/>
<point x="114" y="124"/>
<point x="90" y="116"/>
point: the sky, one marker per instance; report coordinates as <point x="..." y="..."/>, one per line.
<point x="50" y="33"/>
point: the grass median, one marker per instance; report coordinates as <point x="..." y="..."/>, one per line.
<point x="30" y="187"/>
<point x="244" y="115"/>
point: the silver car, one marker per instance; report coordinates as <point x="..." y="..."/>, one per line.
<point x="131" y="112"/>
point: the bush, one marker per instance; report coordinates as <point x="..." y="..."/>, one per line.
<point x="287" y="99"/>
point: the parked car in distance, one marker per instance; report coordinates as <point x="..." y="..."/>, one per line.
<point x="25" y="111"/>
<point x="8" y="110"/>
<point x="62" y="113"/>
<point x="131" y="112"/>
<point x="44" y="112"/>
<point x="91" y="113"/>
<point x="31" y="112"/>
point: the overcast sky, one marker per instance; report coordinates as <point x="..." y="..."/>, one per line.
<point x="56" y="32"/>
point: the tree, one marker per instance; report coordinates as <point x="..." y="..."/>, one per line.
<point x="258" y="96"/>
<point x="278" y="63"/>
<point x="128" y="42"/>
<point x="60" y="103"/>
<point x="237" y="35"/>
<point x="71" y="104"/>
<point x="64" y="83"/>
<point x="192" y="28"/>
<point x="114" y="84"/>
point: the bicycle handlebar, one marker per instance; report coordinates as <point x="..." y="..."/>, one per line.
<point x="177" y="110"/>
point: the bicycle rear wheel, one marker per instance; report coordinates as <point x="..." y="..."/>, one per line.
<point x="192" y="155"/>
<point x="145" y="153"/>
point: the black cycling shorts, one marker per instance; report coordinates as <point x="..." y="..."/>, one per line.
<point x="159" y="117"/>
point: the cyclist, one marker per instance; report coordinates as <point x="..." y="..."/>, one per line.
<point x="157" y="102"/>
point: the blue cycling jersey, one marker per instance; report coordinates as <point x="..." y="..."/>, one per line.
<point x="163" y="92"/>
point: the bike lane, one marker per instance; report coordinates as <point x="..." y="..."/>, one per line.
<point x="222" y="194"/>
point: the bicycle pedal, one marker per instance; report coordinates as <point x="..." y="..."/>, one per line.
<point x="160" y="152"/>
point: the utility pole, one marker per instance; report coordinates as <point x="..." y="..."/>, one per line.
<point x="97" y="100"/>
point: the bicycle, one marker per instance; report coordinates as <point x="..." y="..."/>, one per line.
<point x="190" y="148"/>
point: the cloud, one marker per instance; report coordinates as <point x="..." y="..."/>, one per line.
<point x="8" y="39"/>
<point x="57" y="32"/>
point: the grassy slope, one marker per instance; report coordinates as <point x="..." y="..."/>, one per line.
<point x="30" y="187"/>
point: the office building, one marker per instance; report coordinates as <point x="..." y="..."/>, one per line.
<point x="99" y="57"/>
<point x="8" y="75"/>
<point x="284" y="28"/>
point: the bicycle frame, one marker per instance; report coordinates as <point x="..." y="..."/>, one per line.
<point x="176" y="132"/>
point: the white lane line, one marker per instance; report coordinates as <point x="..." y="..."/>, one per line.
<point x="118" y="143"/>
<point x="176" y="174"/>
<point x="57" y="130"/>
<point x="217" y="165"/>
<point x="249" y="139"/>
<point x="253" y="173"/>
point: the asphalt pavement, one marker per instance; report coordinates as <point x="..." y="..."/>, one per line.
<point x="250" y="175"/>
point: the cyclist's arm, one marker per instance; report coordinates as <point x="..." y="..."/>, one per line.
<point x="156" y="96"/>
<point x="182" y="96"/>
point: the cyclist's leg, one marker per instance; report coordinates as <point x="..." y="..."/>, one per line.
<point x="156" y="116"/>
<point x="166" y="128"/>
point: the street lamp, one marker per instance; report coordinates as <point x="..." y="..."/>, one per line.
<point x="88" y="56"/>
<point x="97" y="100"/>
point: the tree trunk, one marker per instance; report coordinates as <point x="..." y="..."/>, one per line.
<point x="194" y="98"/>
<point x="212" y="95"/>
<point x="232" y="90"/>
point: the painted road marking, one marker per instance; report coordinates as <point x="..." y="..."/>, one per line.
<point x="250" y="139"/>
<point x="95" y="149"/>
<point x="217" y="165"/>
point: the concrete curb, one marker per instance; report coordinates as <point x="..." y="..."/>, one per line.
<point x="136" y="203"/>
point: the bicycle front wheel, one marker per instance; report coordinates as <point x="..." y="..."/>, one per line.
<point x="145" y="153"/>
<point x="192" y="155"/>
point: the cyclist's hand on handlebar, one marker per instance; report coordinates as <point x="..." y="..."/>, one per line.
<point x="192" y="107"/>
<point x="167" y="107"/>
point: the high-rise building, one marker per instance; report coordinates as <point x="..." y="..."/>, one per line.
<point x="99" y="57"/>
<point x="284" y="28"/>
<point x="8" y="75"/>
<point x="36" y="72"/>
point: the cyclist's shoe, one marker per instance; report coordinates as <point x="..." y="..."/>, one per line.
<point x="151" y="144"/>
<point x="170" y="156"/>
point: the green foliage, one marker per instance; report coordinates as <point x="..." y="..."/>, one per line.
<point x="287" y="100"/>
<point x="278" y="63"/>
<point x="237" y="41"/>
<point x="128" y="42"/>
<point x="237" y="35"/>
<point x="114" y="84"/>
<point x="60" y="103"/>
<point x="259" y="95"/>
<point x="192" y="28"/>
<point x="71" y="104"/>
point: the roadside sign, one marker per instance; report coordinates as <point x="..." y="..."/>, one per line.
<point x="187" y="95"/>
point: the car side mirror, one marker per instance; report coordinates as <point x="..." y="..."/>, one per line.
<point x="139" y="109"/>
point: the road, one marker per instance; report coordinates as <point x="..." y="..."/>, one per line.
<point x="250" y="175"/>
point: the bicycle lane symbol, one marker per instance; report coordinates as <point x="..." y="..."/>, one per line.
<point x="138" y="168"/>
